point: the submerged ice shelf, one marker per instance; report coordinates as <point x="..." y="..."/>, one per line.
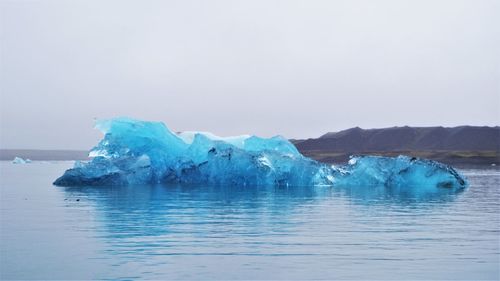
<point x="141" y="152"/>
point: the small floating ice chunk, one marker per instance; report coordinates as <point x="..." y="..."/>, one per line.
<point x="19" y="160"/>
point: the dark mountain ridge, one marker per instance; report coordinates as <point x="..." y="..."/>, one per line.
<point x="457" y="144"/>
<point x="463" y="138"/>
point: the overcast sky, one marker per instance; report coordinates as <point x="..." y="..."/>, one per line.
<point x="295" y="68"/>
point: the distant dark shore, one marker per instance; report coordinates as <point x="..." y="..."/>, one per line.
<point x="44" y="155"/>
<point x="458" y="158"/>
<point x="447" y="157"/>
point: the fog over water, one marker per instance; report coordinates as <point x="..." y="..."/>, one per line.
<point x="296" y="68"/>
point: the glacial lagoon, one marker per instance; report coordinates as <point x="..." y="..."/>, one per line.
<point x="245" y="232"/>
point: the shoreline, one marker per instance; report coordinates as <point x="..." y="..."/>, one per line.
<point x="454" y="158"/>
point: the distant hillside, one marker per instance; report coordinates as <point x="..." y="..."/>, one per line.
<point x="453" y="145"/>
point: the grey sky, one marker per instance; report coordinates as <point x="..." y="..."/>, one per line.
<point x="296" y="68"/>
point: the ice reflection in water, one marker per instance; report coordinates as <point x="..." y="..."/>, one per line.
<point x="202" y="232"/>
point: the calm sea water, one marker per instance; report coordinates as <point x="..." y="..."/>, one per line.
<point x="200" y="232"/>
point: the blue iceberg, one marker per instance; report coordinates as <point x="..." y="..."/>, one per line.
<point x="140" y="152"/>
